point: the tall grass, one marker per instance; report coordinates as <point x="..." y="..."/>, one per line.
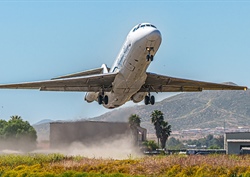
<point x="173" y="165"/>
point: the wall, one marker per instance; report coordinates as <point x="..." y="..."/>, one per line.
<point x="64" y="133"/>
<point x="235" y="140"/>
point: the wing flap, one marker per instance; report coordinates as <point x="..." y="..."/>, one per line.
<point x="160" y="83"/>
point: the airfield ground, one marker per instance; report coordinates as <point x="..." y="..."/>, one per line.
<point x="173" y="165"/>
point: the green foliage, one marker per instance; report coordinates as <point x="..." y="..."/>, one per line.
<point x="3" y="123"/>
<point x="134" y="120"/>
<point x="209" y="142"/>
<point x="162" y="128"/>
<point x="175" y="144"/>
<point x="17" y="134"/>
<point x="150" y="145"/>
<point x="31" y="159"/>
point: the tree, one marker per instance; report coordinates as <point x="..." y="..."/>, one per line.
<point x="134" y="122"/>
<point x="156" y="119"/>
<point x="15" y="117"/>
<point x="208" y="142"/>
<point x="150" y="145"/>
<point x="162" y="128"/>
<point x="2" y="125"/>
<point x="17" y="134"/>
<point x="165" y="133"/>
<point x="175" y="144"/>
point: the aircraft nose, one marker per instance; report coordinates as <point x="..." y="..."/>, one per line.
<point x="154" y="35"/>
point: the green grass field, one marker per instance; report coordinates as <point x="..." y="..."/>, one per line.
<point x="173" y="165"/>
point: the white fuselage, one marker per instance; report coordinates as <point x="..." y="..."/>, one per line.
<point x="131" y="65"/>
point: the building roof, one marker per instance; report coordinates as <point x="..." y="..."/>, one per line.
<point x="86" y="121"/>
<point x="238" y="140"/>
<point x="237" y="132"/>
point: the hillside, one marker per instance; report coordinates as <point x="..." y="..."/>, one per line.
<point x="42" y="130"/>
<point x="207" y="109"/>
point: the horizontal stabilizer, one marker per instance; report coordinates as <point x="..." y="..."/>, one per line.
<point x="101" y="70"/>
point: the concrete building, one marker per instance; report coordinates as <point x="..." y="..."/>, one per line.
<point x="234" y="142"/>
<point x="89" y="132"/>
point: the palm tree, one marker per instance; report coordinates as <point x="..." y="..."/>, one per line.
<point x="162" y="128"/>
<point x="165" y="133"/>
<point x="156" y="119"/>
<point x="134" y="122"/>
<point x="16" y="117"/>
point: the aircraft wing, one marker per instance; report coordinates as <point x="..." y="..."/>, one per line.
<point x="160" y="83"/>
<point x="89" y="83"/>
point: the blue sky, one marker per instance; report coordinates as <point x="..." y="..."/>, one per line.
<point x="208" y="40"/>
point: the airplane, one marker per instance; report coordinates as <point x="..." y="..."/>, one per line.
<point x="127" y="79"/>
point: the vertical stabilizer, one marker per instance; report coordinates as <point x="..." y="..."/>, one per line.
<point x="105" y="68"/>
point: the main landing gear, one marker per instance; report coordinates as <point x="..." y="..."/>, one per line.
<point x="149" y="99"/>
<point x="149" y="56"/>
<point x="103" y="99"/>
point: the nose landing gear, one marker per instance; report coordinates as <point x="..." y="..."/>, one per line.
<point x="149" y="99"/>
<point x="149" y="56"/>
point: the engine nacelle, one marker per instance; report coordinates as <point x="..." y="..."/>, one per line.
<point x="138" y="97"/>
<point x="90" y="97"/>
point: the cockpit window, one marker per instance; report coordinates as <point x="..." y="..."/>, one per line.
<point x="142" y="26"/>
<point x="136" y="28"/>
<point x="153" y="26"/>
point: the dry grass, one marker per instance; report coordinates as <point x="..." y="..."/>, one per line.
<point x="164" y="165"/>
<point x="173" y="165"/>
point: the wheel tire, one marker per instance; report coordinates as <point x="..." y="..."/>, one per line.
<point x="146" y="100"/>
<point x="148" y="57"/>
<point x="106" y="99"/>
<point x="152" y="100"/>
<point x="152" y="57"/>
<point x="100" y="98"/>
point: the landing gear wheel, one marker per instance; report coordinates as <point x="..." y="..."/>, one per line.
<point x="100" y="99"/>
<point x="148" y="57"/>
<point x="146" y="100"/>
<point x="152" y="57"/>
<point x="152" y="100"/>
<point x="106" y="99"/>
<point x="149" y="100"/>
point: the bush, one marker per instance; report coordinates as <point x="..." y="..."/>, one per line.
<point x="17" y="134"/>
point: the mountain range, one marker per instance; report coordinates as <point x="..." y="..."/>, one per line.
<point x="207" y="109"/>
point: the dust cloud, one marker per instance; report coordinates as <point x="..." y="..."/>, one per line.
<point x="118" y="147"/>
<point x="115" y="147"/>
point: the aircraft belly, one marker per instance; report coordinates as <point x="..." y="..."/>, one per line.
<point x="133" y="73"/>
